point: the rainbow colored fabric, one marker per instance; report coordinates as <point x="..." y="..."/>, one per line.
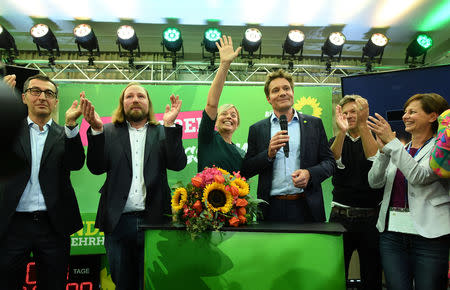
<point x="440" y="156"/>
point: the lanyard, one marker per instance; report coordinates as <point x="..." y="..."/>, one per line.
<point x="415" y="154"/>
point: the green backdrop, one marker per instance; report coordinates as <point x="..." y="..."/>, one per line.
<point x="250" y="101"/>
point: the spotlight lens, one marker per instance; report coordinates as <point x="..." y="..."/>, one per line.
<point x="125" y="32"/>
<point x="213" y="34"/>
<point x="337" y="38"/>
<point x="82" y="30"/>
<point x="296" y="35"/>
<point x="253" y="35"/>
<point x="171" y="34"/>
<point x="425" y="41"/>
<point x="379" y="39"/>
<point x="39" y="30"/>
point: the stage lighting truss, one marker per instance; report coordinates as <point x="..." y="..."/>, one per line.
<point x="251" y="42"/>
<point x="293" y="45"/>
<point x="333" y="46"/>
<point x="85" y="38"/>
<point x="373" y="48"/>
<point x="128" y="40"/>
<point x="173" y="42"/>
<point x="43" y="37"/>
<point x="210" y="37"/>
<point x="8" y="43"/>
<point x="419" y="46"/>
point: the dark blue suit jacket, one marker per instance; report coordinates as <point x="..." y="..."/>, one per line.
<point x="315" y="156"/>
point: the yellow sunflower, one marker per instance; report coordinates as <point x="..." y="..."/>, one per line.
<point x="179" y="198"/>
<point x="244" y="189"/>
<point x="310" y="102"/>
<point x="217" y="198"/>
<point x="224" y="172"/>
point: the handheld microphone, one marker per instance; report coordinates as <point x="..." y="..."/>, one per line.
<point x="284" y="126"/>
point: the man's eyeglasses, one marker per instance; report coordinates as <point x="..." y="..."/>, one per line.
<point x="49" y="94"/>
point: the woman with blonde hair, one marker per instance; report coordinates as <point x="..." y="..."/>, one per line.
<point x="216" y="147"/>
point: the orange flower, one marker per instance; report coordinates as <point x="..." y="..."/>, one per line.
<point x="241" y="202"/>
<point x="197" y="181"/>
<point x="242" y="219"/>
<point x="198" y="206"/>
<point x="234" y="221"/>
<point x="241" y="211"/>
<point x="219" y="179"/>
<point x="237" y="174"/>
<point x="234" y="190"/>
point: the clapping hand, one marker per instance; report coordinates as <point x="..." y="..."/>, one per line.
<point x="341" y="120"/>
<point x="172" y="110"/>
<point x="10" y="80"/>
<point x="382" y="129"/>
<point x="73" y="113"/>
<point x="89" y="113"/>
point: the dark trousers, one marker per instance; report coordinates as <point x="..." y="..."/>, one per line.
<point x="125" y="251"/>
<point x="362" y="236"/>
<point x="32" y="233"/>
<point x="407" y="258"/>
<point x="289" y="211"/>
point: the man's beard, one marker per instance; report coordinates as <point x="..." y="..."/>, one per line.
<point x="135" y="116"/>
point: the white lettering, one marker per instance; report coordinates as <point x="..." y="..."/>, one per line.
<point x="81" y="271"/>
<point x="91" y="241"/>
<point x="189" y="128"/>
<point x="100" y="241"/>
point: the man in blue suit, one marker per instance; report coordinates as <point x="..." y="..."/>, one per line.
<point x="290" y="176"/>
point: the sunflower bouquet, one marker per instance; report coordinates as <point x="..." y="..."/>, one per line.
<point x="214" y="198"/>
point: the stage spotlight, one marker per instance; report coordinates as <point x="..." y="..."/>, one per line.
<point x="210" y="37"/>
<point x="334" y="44"/>
<point x="171" y="39"/>
<point x="294" y="42"/>
<point x="419" y="46"/>
<point x="44" y="37"/>
<point x="8" y="43"/>
<point x="374" y="47"/>
<point x="126" y="38"/>
<point x="252" y="40"/>
<point x="85" y="37"/>
<point x="6" y="39"/>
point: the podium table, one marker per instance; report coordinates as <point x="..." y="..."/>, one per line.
<point x="260" y="256"/>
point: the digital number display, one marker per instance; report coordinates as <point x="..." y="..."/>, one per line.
<point x="83" y="273"/>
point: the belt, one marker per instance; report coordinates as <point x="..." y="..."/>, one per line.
<point x="34" y="215"/>
<point x="354" y="212"/>
<point x="135" y="213"/>
<point x="294" y="196"/>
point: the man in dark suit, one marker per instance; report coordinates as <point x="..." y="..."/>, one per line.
<point x="38" y="207"/>
<point x="289" y="182"/>
<point x="135" y="152"/>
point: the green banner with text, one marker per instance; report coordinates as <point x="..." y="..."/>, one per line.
<point x="250" y="101"/>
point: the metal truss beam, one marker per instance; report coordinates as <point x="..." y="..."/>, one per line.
<point x="192" y="73"/>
